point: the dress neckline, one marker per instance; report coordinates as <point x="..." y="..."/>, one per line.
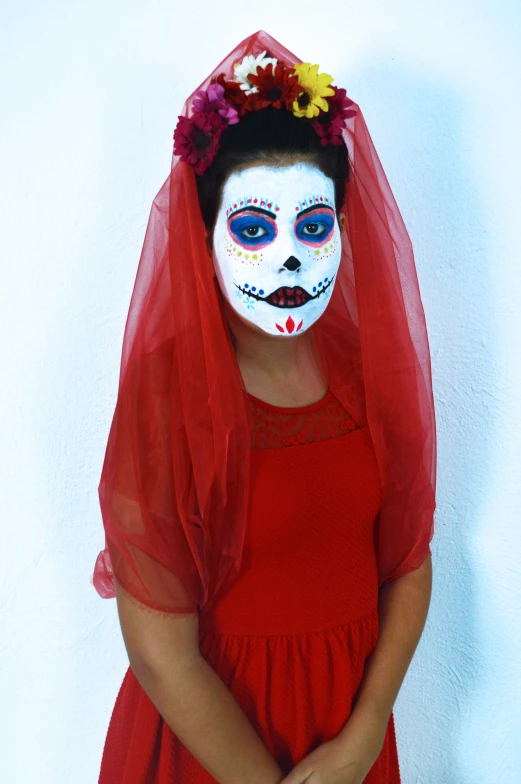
<point x="294" y="409"/>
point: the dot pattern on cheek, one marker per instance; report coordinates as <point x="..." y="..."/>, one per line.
<point x="326" y="252"/>
<point x="239" y="254"/>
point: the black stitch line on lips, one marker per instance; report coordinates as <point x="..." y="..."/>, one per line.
<point x="265" y="299"/>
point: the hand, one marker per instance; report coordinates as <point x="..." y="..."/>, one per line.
<point x="346" y="759"/>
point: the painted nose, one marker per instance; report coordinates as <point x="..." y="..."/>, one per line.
<point x="292" y="264"/>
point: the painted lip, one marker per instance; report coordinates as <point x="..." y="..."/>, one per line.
<point x="287" y="296"/>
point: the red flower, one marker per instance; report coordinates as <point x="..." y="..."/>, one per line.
<point x="196" y="139"/>
<point x="233" y="94"/>
<point x="329" y="124"/>
<point x="277" y="87"/>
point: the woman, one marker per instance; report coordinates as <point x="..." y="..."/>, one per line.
<point x="268" y="486"/>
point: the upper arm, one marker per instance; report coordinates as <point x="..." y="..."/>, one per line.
<point x="155" y="639"/>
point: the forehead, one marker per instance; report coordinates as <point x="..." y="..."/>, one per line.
<point x="282" y="184"/>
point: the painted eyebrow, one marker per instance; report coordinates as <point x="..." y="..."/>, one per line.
<point x="315" y="207"/>
<point x="260" y="210"/>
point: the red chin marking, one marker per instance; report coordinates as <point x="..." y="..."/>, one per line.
<point x="290" y="326"/>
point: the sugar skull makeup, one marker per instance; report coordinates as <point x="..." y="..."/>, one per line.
<point x="276" y="245"/>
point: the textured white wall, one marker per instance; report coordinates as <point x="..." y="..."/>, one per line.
<point x="90" y="95"/>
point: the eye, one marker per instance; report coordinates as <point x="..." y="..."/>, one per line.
<point x="314" y="229"/>
<point x="253" y="232"/>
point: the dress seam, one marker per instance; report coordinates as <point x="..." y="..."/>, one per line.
<point x="316" y="406"/>
<point x="309" y="443"/>
<point x="365" y="616"/>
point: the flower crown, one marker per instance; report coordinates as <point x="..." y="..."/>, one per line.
<point x="259" y="82"/>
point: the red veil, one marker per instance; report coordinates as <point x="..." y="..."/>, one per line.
<point x="174" y="484"/>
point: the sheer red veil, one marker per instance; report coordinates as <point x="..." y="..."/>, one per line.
<point x="174" y="483"/>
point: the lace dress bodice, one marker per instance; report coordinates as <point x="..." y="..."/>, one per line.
<point x="280" y="427"/>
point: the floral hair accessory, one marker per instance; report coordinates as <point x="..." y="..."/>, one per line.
<point x="329" y="125"/>
<point x="249" y="66"/>
<point x="212" y="100"/>
<point x="315" y="90"/>
<point x="196" y="139"/>
<point x="274" y="86"/>
<point x="260" y="81"/>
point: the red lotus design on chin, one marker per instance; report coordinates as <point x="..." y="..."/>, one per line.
<point x="290" y="326"/>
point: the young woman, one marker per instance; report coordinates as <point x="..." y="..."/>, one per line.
<point x="269" y="481"/>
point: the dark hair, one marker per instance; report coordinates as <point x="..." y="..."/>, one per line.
<point x="271" y="137"/>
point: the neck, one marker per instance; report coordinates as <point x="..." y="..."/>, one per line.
<point x="270" y="359"/>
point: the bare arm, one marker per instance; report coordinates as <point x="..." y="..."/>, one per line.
<point x="193" y="700"/>
<point x="403" y="607"/>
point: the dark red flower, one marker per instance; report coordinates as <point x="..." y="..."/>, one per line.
<point x="196" y="138"/>
<point x="233" y="94"/>
<point x="277" y="87"/>
<point x="329" y="125"/>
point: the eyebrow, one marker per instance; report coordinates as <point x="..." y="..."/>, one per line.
<point x="253" y="209"/>
<point x="315" y="207"/>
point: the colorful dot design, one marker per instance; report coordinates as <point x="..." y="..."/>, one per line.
<point x="252" y="201"/>
<point x="317" y="254"/>
<point x="245" y="257"/>
<point x="312" y="200"/>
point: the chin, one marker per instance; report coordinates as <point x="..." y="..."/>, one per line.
<point x="284" y="323"/>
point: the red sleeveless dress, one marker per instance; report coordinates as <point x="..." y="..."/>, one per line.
<point x="291" y="635"/>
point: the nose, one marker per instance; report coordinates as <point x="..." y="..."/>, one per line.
<point x="292" y="264"/>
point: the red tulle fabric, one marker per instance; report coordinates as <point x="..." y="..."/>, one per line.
<point x="174" y="484"/>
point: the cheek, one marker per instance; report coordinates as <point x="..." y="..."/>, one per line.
<point x="328" y="251"/>
<point x="238" y="257"/>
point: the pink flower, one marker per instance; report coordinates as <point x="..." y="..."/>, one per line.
<point x="212" y="100"/>
<point x="329" y="125"/>
<point x="196" y="138"/>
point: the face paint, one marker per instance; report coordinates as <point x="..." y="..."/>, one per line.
<point x="277" y="245"/>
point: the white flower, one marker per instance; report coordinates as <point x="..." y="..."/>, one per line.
<point x="249" y="65"/>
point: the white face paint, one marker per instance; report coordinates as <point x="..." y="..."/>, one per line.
<point x="276" y="245"/>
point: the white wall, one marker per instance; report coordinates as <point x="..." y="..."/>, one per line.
<point x="89" y="100"/>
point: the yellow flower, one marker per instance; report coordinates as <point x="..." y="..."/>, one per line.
<point x="315" y="87"/>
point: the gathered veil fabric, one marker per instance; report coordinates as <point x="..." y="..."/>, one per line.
<point x="174" y="484"/>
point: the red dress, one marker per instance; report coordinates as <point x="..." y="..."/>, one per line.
<point x="291" y="635"/>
